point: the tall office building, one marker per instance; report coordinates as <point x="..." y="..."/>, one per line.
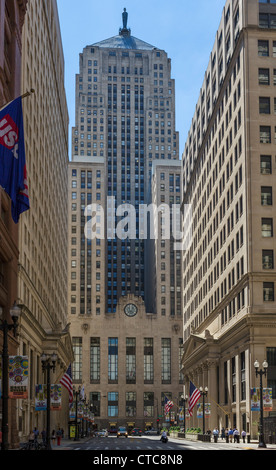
<point x="12" y="15"/>
<point x="229" y="179"/>
<point x="43" y="229"/>
<point x="125" y="121"/>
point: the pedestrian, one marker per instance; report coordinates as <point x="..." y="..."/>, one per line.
<point x="236" y="436"/>
<point x="43" y="436"/>
<point x="36" y="433"/>
<point x="53" y="437"/>
<point x="59" y="434"/>
<point x="31" y="438"/>
<point x="243" y="436"/>
<point x="216" y="434"/>
<point x="230" y="434"/>
<point x="223" y="433"/>
<point x="227" y="435"/>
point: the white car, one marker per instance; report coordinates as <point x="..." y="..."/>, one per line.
<point x="102" y="433"/>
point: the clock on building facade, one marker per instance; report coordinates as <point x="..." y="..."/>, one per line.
<point x="131" y="310"/>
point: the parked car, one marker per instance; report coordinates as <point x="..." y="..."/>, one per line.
<point x="136" y="432"/>
<point x="122" y="432"/>
<point x="113" y="430"/>
<point x="152" y="431"/>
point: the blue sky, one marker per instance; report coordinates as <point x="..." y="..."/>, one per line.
<point x="184" y="29"/>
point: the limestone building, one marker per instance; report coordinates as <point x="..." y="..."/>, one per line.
<point x="127" y="351"/>
<point x="12" y="14"/>
<point x="228" y="170"/>
<point x="42" y="282"/>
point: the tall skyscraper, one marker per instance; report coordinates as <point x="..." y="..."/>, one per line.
<point x="125" y="121"/>
<point x="43" y="230"/>
<point x="125" y="111"/>
<point x="12" y="15"/>
<point x="229" y="178"/>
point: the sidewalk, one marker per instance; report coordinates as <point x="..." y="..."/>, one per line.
<point x="253" y="445"/>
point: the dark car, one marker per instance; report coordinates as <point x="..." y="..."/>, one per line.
<point x="136" y="432"/>
<point x="122" y="432"/>
<point x="113" y="430"/>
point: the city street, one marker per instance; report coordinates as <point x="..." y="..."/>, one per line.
<point x="151" y="444"/>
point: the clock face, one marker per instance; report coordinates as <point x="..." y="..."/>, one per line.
<point x="130" y="310"/>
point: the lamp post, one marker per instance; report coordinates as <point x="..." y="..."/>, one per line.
<point x="77" y="394"/>
<point x="203" y="394"/>
<point x="184" y="401"/>
<point x="48" y="363"/>
<point x="5" y="327"/>
<point x="261" y="372"/>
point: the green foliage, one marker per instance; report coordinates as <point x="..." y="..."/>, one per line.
<point x="194" y="430"/>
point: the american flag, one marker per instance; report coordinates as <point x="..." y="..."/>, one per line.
<point x="193" y="398"/>
<point x="66" y="381"/>
<point x="13" y="173"/>
<point x="168" y="405"/>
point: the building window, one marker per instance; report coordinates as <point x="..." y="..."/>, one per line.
<point x="233" y="379"/>
<point x="267" y="228"/>
<point x="264" y="77"/>
<point x="268" y="291"/>
<point x="243" y="377"/>
<point x="95" y="398"/>
<point x="264" y="105"/>
<point x="166" y="360"/>
<point x="266" y="195"/>
<point x="266" y="165"/>
<point x="267" y="20"/>
<point x="112" y="360"/>
<point x="268" y="259"/>
<point x="130" y="404"/>
<point x="149" y="404"/>
<point x="77" y="364"/>
<point x="95" y="360"/>
<point x="148" y="360"/>
<point x="265" y="134"/>
<point x="263" y="48"/>
<point x="130" y="360"/>
<point x="271" y="377"/>
<point x="113" y="401"/>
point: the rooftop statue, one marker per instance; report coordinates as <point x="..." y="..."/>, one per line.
<point x="125" y="18"/>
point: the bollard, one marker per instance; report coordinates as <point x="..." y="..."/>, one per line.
<point x="248" y="439"/>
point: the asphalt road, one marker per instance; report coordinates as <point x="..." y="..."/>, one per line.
<point x="149" y="444"/>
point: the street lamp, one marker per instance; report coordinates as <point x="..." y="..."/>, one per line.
<point x="5" y="327"/>
<point x="184" y="401"/>
<point x="203" y="394"/>
<point x="261" y="372"/>
<point x="77" y="394"/>
<point x="48" y="363"/>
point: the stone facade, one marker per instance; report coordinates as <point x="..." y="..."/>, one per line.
<point x="42" y="282"/>
<point x="12" y="14"/>
<point x="228" y="168"/>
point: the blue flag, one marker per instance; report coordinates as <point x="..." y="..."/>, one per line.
<point x="13" y="174"/>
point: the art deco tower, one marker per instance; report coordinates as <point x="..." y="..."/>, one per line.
<point x="125" y="112"/>
<point x="127" y="345"/>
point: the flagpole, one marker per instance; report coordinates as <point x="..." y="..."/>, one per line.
<point x="25" y="95"/>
